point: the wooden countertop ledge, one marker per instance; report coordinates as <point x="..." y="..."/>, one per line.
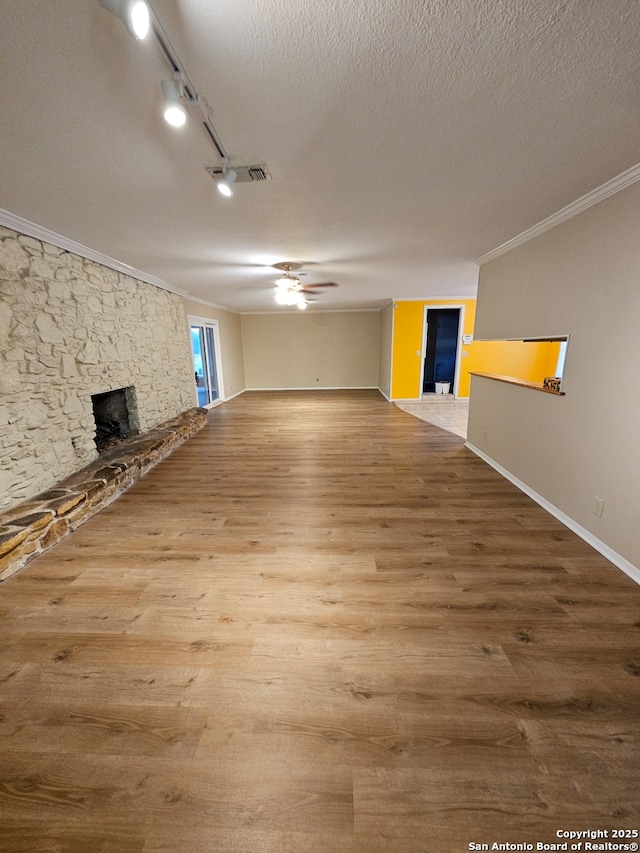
<point x="523" y="383"/>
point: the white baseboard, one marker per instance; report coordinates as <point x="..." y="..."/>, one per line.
<point x="421" y="399"/>
<point x="237" y="394"/>
<point x="628" y="568"/>
<point x="336" y="388"/>
<point x="322" y="388"/>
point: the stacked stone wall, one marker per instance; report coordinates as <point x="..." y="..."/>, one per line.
<point x="70" y="328"/>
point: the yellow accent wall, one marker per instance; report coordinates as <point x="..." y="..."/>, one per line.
<point x="408" y="329"/>
<point x="528" y="361"/>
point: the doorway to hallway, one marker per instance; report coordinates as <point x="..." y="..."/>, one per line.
<point x="442" y="332"/>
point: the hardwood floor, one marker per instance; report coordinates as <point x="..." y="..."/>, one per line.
<point x="320" y="626"/>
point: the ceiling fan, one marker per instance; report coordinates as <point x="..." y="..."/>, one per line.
<point x="291" y="291"/>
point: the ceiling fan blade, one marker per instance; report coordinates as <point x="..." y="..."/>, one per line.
<point x="321" y="284"/>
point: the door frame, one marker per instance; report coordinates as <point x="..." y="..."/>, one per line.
<point x="425" y="313"/>
<point x="192" y="320"/>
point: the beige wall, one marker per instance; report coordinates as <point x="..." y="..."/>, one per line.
<point x="311" y="350"/>
<point x="230" y="344"/>
<point x="580" y="278"/>
<point x="385" y="350"/>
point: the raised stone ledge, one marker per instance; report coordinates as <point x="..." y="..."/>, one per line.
<point x="32" y="527"/>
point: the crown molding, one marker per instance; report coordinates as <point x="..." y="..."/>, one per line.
<point x="32" y="229"/>
<point x="599" y="194"/>
<point x="425" y="300"/>
<point x="308" y="313"/>
<point x="189" y="298"/>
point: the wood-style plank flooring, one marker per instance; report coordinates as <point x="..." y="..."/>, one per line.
<point x="321" y="626"/>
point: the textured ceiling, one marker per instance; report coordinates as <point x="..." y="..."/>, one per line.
<point x="405" y="139"/>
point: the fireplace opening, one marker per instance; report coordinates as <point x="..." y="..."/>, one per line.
<point x="114" y="414"/>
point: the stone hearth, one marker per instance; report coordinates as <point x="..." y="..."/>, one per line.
<point x="32" y="527"/>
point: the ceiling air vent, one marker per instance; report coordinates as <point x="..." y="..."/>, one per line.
<point x="246" y="174"/>
<point x="259" y="173"/>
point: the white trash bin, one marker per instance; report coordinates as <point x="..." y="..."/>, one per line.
<point x="443" y="387"/>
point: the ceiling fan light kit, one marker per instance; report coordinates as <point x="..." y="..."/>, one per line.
<point x="290" y="297"/>
<point x="290" y="291"/>
<point x="285" y="281"/>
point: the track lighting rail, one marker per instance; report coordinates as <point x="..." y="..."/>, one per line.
<point x="190" y="94"/>
<point x="139" y="18"/>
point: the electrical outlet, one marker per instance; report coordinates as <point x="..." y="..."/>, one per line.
<point x="484" y="435"/>
<point x="598" y="506"/>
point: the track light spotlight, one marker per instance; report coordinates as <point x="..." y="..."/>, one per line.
<point x="133" y="13"/>
<point x="225" y="184"/>
<point x="174" y="111"/>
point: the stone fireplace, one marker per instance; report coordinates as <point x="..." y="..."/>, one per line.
<point x="71" y="328"/>
<point x="115" y="415"/>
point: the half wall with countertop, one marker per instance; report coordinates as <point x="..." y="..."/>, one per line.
<point x="578" y="454"/>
